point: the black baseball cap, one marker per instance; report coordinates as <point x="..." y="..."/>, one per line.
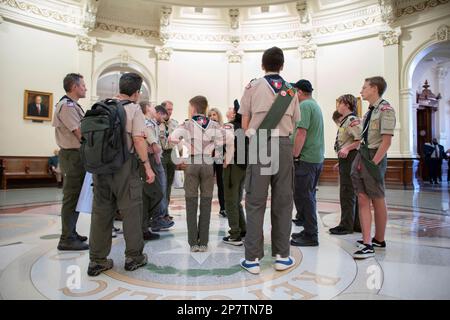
<point x="303" y="85"/>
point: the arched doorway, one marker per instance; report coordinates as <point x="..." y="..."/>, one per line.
<point x="108" y="82"/>
<point x="430" y="82"/>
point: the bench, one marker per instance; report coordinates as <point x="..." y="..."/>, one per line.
<point x="24" y="168"/>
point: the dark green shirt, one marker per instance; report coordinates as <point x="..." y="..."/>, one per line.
<point x="312" y="120"/>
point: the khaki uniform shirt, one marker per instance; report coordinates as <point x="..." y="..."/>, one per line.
<point x="67" y="118"/>
<point x="164" y="133"/>
<point x="256" y="102"/>
<point x="135" y="125"/>
<point x="349" y="131"/>
<point x="382" y="122"/>
<point x="201" y="141"/>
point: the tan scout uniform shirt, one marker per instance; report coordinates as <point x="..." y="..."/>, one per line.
<point x="68" y="115"/>
<point x="382" y="122"/>
<point x="172" y="124"/>
<point x="135" y="125"/>
<point x="202" y="141"/>
<point x="256" y="102"/>
<point x="349" y="131"/>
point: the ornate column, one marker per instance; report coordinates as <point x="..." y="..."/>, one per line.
<point x="86" y="46"/>
<point x="390" y="38"/>
<point x="443" y="110"/>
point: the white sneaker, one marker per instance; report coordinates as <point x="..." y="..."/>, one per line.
<point x="251" y="266"/>
<point x="282" y="264"/>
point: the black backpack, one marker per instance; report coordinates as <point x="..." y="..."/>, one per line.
<point x="104" y="142"/>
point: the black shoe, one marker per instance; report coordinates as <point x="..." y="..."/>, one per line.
<point x="243" y="234"/>
<point x="366" y="251"/>
<point x="304" y="242"/>
<point x="339" y="231"/>
<point x="149" y="236"/>
<point x="132" y="264"/>
<point x="96" y="268"/>
<point x="81" y="238"/>
<point x="72" y="245"/>
<point x="375" y="243"/>
<point x="234" y="242"/>
<point x="297" y="222"/>
<point x="223" y="213"/>
<point x="296" y="235"/>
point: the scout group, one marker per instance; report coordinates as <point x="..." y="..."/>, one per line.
<point x="274" y="118"/>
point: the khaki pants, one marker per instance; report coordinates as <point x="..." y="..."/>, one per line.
<point x="123" y="191"/>
<point x="73" y="171"/>
<point x="256" y="188"/>
<point x="198" y="176"/>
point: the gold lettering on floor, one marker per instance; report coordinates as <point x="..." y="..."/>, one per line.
<point x="318" y="279"/>
<point x="102" y="285"/>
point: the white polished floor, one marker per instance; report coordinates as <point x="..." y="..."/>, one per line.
<point x="415" y="264"/>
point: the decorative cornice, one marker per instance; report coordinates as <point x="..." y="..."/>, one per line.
<point x="235" y="56"/>
<point x="390" y="37"/>
<point x="163" y="53"/>
<point x="345" y="26"/>
<point x="443" y="33"/>
<point x="86" y="43"/>
<point x="411" y="9"/>
<point x="128" y="30"/>
<point x="42" y="12"/>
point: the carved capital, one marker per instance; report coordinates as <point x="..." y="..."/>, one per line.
<point x="390" y="37"/>
<point x="235" y="56"/>
<point x="234" y="18"/>
<point x="443" y="33"/>
<point x="308" y="51"/>
<point x="86" y="43"/>
<point x="163" y="53"/>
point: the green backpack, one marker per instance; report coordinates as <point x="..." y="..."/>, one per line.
<point x="103" y="142"/>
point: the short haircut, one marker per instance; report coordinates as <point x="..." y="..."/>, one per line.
<point x="349" y="100"/>
<point x="129" y="83"/>
<point x="160" y="109"/>
<point x="165" y="102"/>
<point x="70" y="80"/>
<point x="378" y="82"/>
<point x="144" y="105"/>
<point x="273" y="59"/>
<point x="200" y="104"/>
<point x="336" y="116"/>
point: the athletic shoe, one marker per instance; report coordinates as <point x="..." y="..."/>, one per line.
<point x="339" y="231"/>
<point x="283" y="263"/>
<point x="234" y="242"/>
<point x="73" y="245"/>
<point x="365" y="252"/>
<point x="149" y="236"/>
<point x="202" y="248"/>
<point x="95" y="268"/>
<point x="132" y="264"/>
<point x="194" y="248"/>
<point x="375" y="244"/>
<point x="251" y="266"/>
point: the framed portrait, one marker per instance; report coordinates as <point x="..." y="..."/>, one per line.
<point x="38" y="105"/>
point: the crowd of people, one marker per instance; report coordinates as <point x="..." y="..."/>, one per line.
<point x="273" y="137"/>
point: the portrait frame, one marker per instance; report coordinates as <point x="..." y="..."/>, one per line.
<point x="46" y="109"/>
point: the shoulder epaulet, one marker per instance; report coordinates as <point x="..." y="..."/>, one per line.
<point x="385" y="106"/>
<point x="250" y="84"/>
<point x="354" y="122"/>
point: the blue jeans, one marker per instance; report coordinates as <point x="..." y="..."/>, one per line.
<point x="306" y="179"/>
